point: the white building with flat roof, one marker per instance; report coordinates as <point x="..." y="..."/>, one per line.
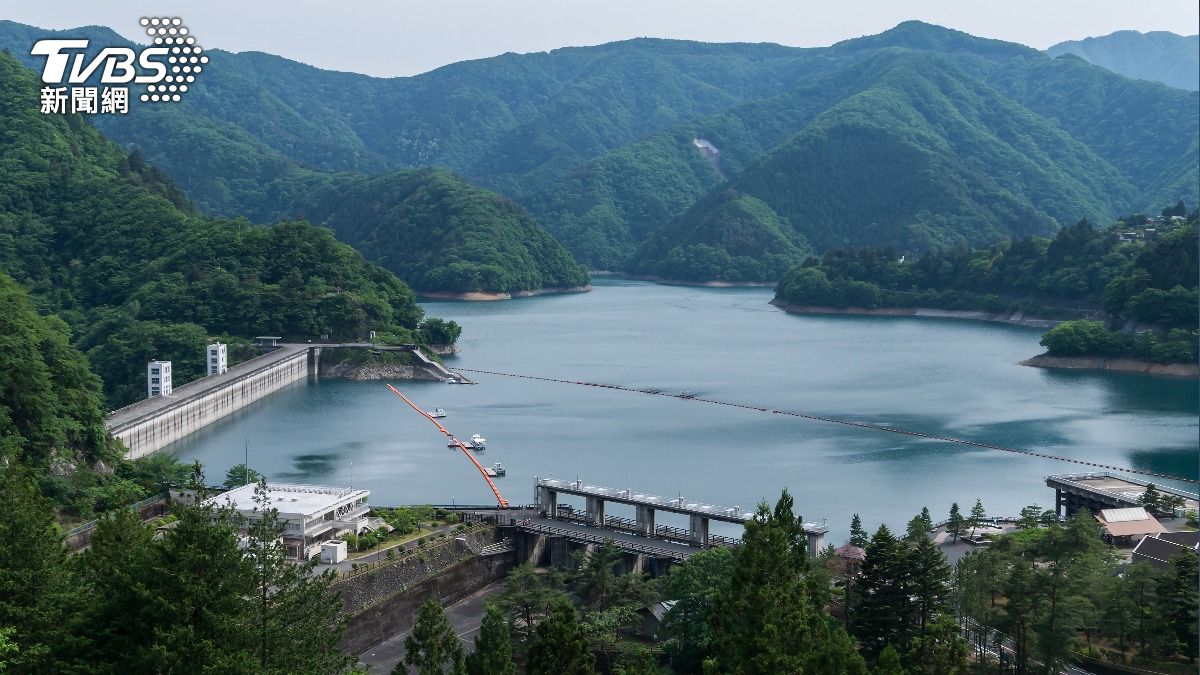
<point x="158" y="379"/>
<point x="312" y="514"/>
<point x="218" y="358"/>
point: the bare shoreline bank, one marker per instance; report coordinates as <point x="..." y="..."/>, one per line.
<point x="1188" y="370"/>
<point x="1015" y="318"/>
<point x="486" y="296"/>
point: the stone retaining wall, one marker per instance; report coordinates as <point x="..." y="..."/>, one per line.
<point x="384" y="601"/>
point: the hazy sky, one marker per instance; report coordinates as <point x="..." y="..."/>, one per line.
<point x="400" y="37"/>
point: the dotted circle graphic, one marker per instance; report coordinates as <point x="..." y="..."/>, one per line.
<point x="184" y="60"/>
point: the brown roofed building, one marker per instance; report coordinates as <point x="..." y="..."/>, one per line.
<point x="1122" y="525"/>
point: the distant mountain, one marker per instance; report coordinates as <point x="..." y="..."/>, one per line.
<point x="918" y="138"/>
<point x="902" y="147"/>
<point x="1158" y="56"/>
<point x="728" y="236"/>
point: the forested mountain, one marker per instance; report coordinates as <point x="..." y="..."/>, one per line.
<point x="1008" y="143"/>
<point x="727" y="236"/>
<point x="434" y="230"/>
<point x="1159" y="56"/>
<point x="106" y="242"/>
<point x="1135" y="274"/>
<point x="918" y="138"/>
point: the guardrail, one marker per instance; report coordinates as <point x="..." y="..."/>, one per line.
<point x="136" y="506"/>
<point x="589" y="538"/>
<point x="678" y="504"/>
<point x="1075" y="478"/>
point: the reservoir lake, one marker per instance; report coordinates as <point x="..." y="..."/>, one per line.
<point x="937" y="376"/>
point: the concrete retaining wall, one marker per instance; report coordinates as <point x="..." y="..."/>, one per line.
<point x="158" y="429"/>
<point x="386" y="601"/>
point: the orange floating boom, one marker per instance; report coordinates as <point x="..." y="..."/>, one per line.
<point x="499" y="498"/>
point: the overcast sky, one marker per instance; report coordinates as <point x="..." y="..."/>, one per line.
<point x="401" y="37"/>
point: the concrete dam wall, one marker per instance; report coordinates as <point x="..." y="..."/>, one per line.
<point x="150" y="425"/>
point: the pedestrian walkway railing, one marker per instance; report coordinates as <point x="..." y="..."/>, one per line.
<point x="135" y="507"/>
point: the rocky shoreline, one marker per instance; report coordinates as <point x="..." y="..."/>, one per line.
<point x="1014" y="318"/>
<point x="484" y="296"/>
<point x="1190" y="370"/>
<point x="350" y="368"/>
<point x="376" y="371"/>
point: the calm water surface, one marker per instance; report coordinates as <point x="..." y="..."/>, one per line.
<point x="945" y="377"/>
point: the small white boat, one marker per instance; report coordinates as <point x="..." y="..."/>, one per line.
<point x="451" y="380"/>
<point x="437" y="412"/>
<point x="477" y="442"/>
<point x="494" y="470"/>
<point x="452" y="442"/>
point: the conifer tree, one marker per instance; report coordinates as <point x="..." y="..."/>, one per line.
<point x="978" y="516"/>
<point x="1151" y="499"/>
<point x="916" y="530"/>
<point x="113" y="568"/>
<point x="295" y="617"/>
<point x="930" y="576"/>
<point x="858" y="536"/>
<point x="889" y="663"/>
<point x="941" y="650"/>
<point x="36" y="592"/>
<point x="493" y="653"/>
<point x="559" y="646"/>
<point x="1031" y="517"/>
<point x="883" y="609"/>
<point x="432" y="647"/>
<point x="1177" y="592"/>
<point x="695" y="585"/>
<point x="529" y="596"/>
<point x="956" y="524"/>
<point x="767" y="621"/>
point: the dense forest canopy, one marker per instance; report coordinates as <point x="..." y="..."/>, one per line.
<point x="920" y="138"/>
<point x="1136" y="274"/>
<point x="104" y="240"/>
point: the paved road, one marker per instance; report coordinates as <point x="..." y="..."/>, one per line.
<point x="466" y="615"/>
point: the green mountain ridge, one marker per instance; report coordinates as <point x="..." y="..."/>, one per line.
<point x="232" y="171"/>
<point x="435" y="230"/>
<point x="727" y="236"/>
<point x="597" y="141"/>
<point x="105" y="241"/>
<point x="869" y="169"/>
<point x="1159" y="56"/>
